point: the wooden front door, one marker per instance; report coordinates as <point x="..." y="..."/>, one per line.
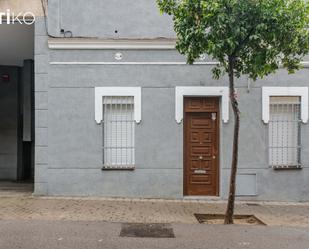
<point x="201" y="146"/>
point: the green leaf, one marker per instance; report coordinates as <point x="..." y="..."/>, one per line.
<point x="259" y="34"/>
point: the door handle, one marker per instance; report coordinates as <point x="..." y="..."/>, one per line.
<point x="200" y="157"/>
<point x="213" y="157"/>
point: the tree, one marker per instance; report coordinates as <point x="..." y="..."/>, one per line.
<point x="246" y="37"/>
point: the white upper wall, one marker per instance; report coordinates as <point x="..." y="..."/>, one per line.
<point x="16" y="44"/>
<point x="16" y="6"/>
<point x="17" y="41"/>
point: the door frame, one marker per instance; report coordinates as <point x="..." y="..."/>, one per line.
<point x="218" y="141"/>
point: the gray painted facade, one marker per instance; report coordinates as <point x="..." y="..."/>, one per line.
<point x="68" y="142"/>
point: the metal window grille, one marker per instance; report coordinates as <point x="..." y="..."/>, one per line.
<point x="285" y="133"/>
<point x="118" y="133"/>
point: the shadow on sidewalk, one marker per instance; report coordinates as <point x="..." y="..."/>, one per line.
<point x="10" y="188"/>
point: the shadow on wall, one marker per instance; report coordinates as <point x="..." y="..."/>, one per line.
<point x="16" y="101"/>
<point x="16" y="126"/>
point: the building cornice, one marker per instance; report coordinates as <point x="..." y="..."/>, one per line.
<point x="119" y="44"/>
<point x="126" y="44"/>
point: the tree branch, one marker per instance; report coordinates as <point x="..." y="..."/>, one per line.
<point x="243" y="42"/>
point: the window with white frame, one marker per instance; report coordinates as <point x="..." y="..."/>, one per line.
<point x="118" y="126"/>
<point x="285" y="132"/>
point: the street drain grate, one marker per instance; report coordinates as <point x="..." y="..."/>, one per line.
<point x="219" y="219"/>
<point x="141" y="230"/>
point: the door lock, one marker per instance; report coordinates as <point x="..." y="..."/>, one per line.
<point x="200" y="157"/>
<point x="213" y="157"/>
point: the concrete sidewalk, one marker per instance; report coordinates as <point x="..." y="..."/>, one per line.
<point x="144" y="210"/>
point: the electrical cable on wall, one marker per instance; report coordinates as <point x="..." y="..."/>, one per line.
<point x="45" y="21"/>
<point x="66" y="34"/>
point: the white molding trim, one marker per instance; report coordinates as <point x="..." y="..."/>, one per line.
<point x="302" y="92"/>
<point x="136" y="92"/>
<point x="305" y="64"/>
<point x="181" y="92"/>
<point x="209" y="63"/>
<point x="127" y="44"/>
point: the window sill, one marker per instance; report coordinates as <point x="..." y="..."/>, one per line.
<point x="287" y="167"/>
<point x="118" y="167"/>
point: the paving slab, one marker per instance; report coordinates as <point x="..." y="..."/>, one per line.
<point x="145" y="210"/>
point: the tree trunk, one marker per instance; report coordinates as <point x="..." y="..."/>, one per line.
<point x="231" y="198"/>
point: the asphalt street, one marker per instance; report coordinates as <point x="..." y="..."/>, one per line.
<point x="34" y="234"/>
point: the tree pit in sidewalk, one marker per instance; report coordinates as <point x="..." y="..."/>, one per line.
<point x="239" y="219"/>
